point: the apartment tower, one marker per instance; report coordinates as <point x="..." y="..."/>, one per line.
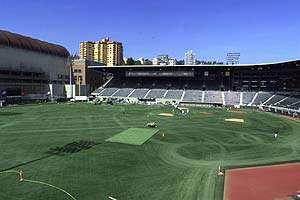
<point x="105" y="51"/>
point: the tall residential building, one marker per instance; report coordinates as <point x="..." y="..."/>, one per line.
<point x="105" y="51"/>
<point x="100" y="51"/>
<point x="87" y="50"/>
<point x="190" y="58"/>
<point x="114" y="53"/>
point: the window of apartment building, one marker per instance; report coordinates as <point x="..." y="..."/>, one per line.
<point x="77" y="70"/>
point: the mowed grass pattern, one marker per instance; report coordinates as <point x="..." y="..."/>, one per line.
<point x="64" y="144"/>
<point x="134" y="136"/>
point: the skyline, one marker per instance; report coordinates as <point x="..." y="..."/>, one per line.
<point x="265" y="31"/>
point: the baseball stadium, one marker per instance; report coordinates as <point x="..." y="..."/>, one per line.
<point x="207" y="132"/>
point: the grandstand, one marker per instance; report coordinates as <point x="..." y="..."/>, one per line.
<point x="193" y="96"/>
<point x="139" y="93"/>
<point x="255" y="85"/>
<point x="247" y="97"/>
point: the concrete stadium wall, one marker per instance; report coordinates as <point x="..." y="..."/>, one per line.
<point x="24" y="60"/>
<point x="30" y="88"/>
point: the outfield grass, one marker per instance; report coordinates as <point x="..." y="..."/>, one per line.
<point x="134" y="136"/>
<point x="65" y="145"/>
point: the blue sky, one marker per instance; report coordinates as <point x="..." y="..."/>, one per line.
<point x="261" y="30"/>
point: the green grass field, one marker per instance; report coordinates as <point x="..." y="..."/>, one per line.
<point x="134" y="136"/>
<point x="64" y="145"/>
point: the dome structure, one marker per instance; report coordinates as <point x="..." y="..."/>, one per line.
<point x="23" y="42"/>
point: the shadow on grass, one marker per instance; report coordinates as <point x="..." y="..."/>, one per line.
<point x="70" y="148"/>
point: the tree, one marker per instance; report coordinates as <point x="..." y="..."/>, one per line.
<point x="137" y="62"/>
<point x="180" y="62"/>
<point x="130" y="61"/>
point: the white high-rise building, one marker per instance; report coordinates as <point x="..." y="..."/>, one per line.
<point x="190" y="58"/>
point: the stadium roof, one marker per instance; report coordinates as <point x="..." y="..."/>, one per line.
<point x="28" y="43"/>
<point x="238" y="65"/>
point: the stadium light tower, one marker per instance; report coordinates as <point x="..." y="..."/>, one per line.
<point x="70" y="78"/>
<point x="233" y="58"/>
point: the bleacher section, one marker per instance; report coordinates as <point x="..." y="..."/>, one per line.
<point x="107" y="92"/>
<point x="261" y="98"/>
<point x="213" y="97"/>
<point x="275" y="100"/>
<point x="232" y="98"/>
<point x="296" y="105"/>
<point x="192" y="96"/>
<point x="288" y="102"/>
<point x="174" y="94"/>
<point x="123" y="92"/>
<point x="248" y="97"/>
<point x="156" y="93"/>
<point x="139" y="93"/>
<point x="97" y="91"/>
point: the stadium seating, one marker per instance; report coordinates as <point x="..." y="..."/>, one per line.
<point x="248" y="97"/>
<point x="261" y="98"/>
<point x="232" y="98"/>
<point x="139" y="93"/>
<point x="107" y="92"/>
<point x="169" y="89"/>
<point x="275" y="100"/>
<point x="296" y="105"/>
<point x="156" y="93"/>
<point x="174" y="94"/>
<point x="123" y="92"/>
<point x="97" y="91"/>
<point x="288" y="102"/>
<point x="213" y="97"/>
<point x="192" y="96"/>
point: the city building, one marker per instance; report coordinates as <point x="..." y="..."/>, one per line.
<point x="100" y="51"/>
<point x="87" y="50"/>
<point x="105" y="51"/>
<point x="172" y="61"/>
<point x="31" y="66"/>
<point x="233" y="58"/>
<point x="164" y="59"/>
<point x="155" y="61"/>
<point x="190" y="58"/>
<point x="161" y="60"/>
<point x="86" y="77"/>
<point x="114" y="53"/>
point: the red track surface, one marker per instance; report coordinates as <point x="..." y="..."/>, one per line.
<point x="262" y="183"/>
